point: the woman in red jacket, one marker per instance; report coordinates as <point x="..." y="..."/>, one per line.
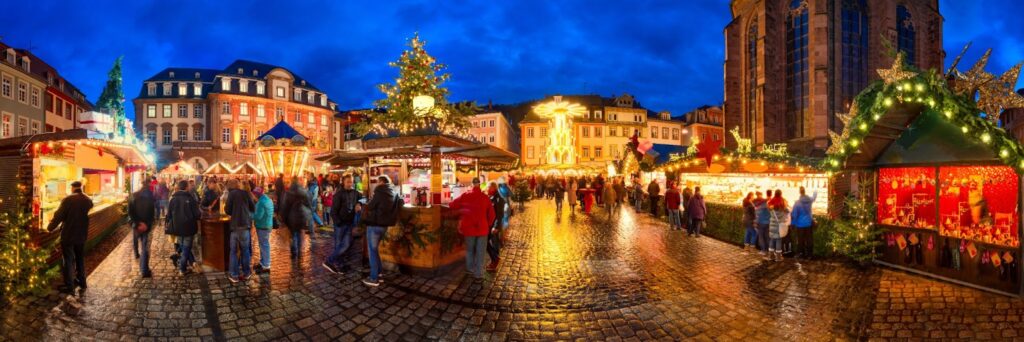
<point x="672" y="200"/>
<point x="475" y="218"/>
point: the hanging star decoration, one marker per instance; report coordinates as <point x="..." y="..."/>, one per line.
<point x="998" y="94"/>
<point x="846" y="117"/>
<point x="972" y="80"/>
<point x="897" y="72"/>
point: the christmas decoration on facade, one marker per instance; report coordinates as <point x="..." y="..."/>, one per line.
<point x="561" y="144"/>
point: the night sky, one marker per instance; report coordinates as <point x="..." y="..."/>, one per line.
<point x="666" y="53"/>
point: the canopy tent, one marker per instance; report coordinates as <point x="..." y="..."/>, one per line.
<point x="247" y="168"/>
<point x="180" y="168"/>
<point x="218" y="168"/>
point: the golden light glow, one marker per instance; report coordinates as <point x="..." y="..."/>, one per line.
<point x="561" y="145"/>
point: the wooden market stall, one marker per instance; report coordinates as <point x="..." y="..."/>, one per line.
<point x="46" y="164"/>
<point x="424" y="167"/>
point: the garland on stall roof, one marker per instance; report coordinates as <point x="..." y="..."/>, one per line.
<point x="929" y="89"/>
<point x="733" y="157"/>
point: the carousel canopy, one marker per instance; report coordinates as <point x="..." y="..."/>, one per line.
<point x="282" y="130"/>
<point x="219" y="168"/>
<point x="180" y="168"/>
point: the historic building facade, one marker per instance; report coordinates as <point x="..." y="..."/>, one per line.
<point x="21" y="95"/>
<point x="791" y="65"/>
<point x="705" y="123"/>
<point x="212" y="115"/>
<point x="62" y="101"/>
<point x="492" y="127"/>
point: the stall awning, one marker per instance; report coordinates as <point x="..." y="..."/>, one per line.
<point x="420" y="146"/>
<point x="219" y="168"/>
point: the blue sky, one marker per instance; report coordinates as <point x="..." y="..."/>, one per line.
<point x="667" y="53"/>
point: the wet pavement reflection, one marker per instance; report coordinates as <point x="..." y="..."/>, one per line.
<point x="563" y="276"/>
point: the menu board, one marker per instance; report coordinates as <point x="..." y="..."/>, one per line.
<point x="979" y="203"/>
<point x="906" y="197"/>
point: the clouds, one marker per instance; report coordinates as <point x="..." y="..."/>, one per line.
<point x="667" y="53"/>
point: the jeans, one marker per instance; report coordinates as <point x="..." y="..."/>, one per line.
<point x="186" y="258"/>
<point x="373" y="236"/>
<point x="751" y="237"/>
<point x="74" y="259"/>
<point x="263" y="235"/>
<point x="342" y="240"/>
<point x="296" y="246"/>
<point x="494" y="245"/>
<point x="241" y="253"/>
<point x="674" y="221"/>
<point x="327" y="216"/>
<point x="805" y="237"/>
<point x="161" y="207"/>
<point x="775" y="245"/>
<point x="694" y="226"/>
<point x="142" y="240"/>
<point x="638" y="201"/>
<point x="475" y="246"/>
<point x="762" y="236"/>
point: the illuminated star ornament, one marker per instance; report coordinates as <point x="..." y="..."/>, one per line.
<point x="561" y="148"/>
<point x="897" y="72"/>
<point x="998" y="95"/>
<point x="970" y="81"/>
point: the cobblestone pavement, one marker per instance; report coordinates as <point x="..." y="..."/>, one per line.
<point x="563" y="276"/>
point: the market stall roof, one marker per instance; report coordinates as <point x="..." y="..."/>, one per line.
<point x="218" y="168"/>
<point x="420" y="146"/>
<point x="247" y="168"/>
<point x="180" y="168"/>
<point x="128" y="154"/>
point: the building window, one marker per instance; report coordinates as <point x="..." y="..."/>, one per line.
<point x="323" y="101"/>
<point x="197" y="111"/>
<point x="279" y="114"/>
<point x="855" y="50"/>
<point x="309" y="97"/>
<point x="8" y="125"/>
<point x="182" y="111"/>
<point x="323" y="120"/>
<point x="703" y="137"/>
<point x="664" y="132"/>
<point x="151" y="135"/>
<point x="311" y="118"/>
<point x="597" y="152"/>
<point x="905" y="35"/>
<point x="167" y="110"/>
<point x="586" y="131"/>
<point x="36" y="126"/>
<point x="197" y="133"/>
<point x="35" y="97"/>
<point x="167" y="89"/>
<point x="492" y="123"/>
<point x="8" y="86"/>
<point x="197" y="89"/>
<point x="225" y="107"/>
<point x="298" y="118"/>
<point x="598" y="132"/>
<point x="243" y="86"/>
<point x="23" y="92"/>
<point x="612" y="131"/>
<point x="243" y="109"/>
<point x="529" y="133"/>
<point x="260" y="111"/>
<point x="151" y="89"/>
<point x="259" y="88"/>
<point x="714" y="137"/>
<point x="225" y="84"/>
<point x="586" y="152"/>
<point x="492" y="138"/>
<point x="675" y="134"/>
<point x="182" y="133"/>
<point x="225" y="135"/>
<point x="598" y="114"/>
<point x="654" y="132"/>
<point x="167" y="136"/>
<point x="182" y="89"/>
<point x="615" y="151"/>
<point x="529" y="152"/>
<point x="749" y="123"/>
<point x="151" y="111"/>
<point x="280" y="91"/>
<point x="476" y="124"/>
<point x="243" y="134"/>
<point x="543" y="132"/>
<point x="797" y="70"/>
<point x="298" y="95"/>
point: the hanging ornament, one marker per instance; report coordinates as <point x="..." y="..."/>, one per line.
<point x="969" y="82"/>
<point x="999" y="94"/>
<point x="897" y="72"/>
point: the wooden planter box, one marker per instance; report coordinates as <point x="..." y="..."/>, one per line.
<point x="431" y="259"/>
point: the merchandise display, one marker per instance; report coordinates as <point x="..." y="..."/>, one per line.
<point x="730" y="188"/>
<point x="906" y="197"/>
<point x="979" y="203"/>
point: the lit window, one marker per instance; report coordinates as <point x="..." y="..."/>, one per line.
<point x="182" y="89"/>
<point x="243" y="86"/>
<point x="260" y="111"/>
<point x="197" y="89"/>
<point x="151" y="135"/>
<point x="167" y="88"/>
<point x="167" y="110"/>
<point x="259" y="88"/>
<point x="197" y="111"/>
<point x="23" y="92"/>
<point x="529" y="152"/>
<point x="529" y="133"/>
<point x="323" y="120"/>
<point x="654" y="132"/>
<point x="225" y="135"/>
<point x="8" y="86"/>
<point x="151" y="111"/>
<point x="675" y="134"/>
<point x="279" y="114"/>
<point x="243" y="109"/>
<point x="664" y="132"/>
<point x="309" y="97"/>
<point x="298" y="118"/>
<point x="36" y="126"/>
<point x="311" y="118"/>
<point x="7" y="125"/>
<point x="279" y="91"/>
<point x="182" y="111"/>
<point x="323" y="100"/>
<point x="182" y="133"/>
<point x="197" y="133"/>
<point x="150" y="89"/>
<point x="225" y="84"/>
<point x="243" y="134"/>
<point x="225" y="107"/>
<point x="298" y="95"/>
<point x="35" y="97"/>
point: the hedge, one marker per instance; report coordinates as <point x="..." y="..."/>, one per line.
<point x="724" y="222"/>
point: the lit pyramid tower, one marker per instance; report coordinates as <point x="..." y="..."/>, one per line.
<point x="561" y="147"/>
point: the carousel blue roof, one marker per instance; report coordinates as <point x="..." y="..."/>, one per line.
<point x="281" y="130"/>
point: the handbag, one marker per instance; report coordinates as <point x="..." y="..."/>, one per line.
<point x="141" y="228"/>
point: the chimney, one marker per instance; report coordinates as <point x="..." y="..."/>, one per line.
<point x="490" y="104"/>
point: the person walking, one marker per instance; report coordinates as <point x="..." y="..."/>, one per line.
<point x="762" y="219"/>
<point x="73" y="218"/>
<point x="382" y="212"/>
<point x="263" y="219"/>
<point x="495" y="233"/>
<point x="803" y="221"/>
<point x="638" y="194"/>
<point x="672" y="201"/>
<point x="327" y="200"/>
<point x="559" y="193"/>
<point x="610" y="199"/>
<point x="296" y="214"/>
<point x="313" y="192"/>
<point x="573" y="194"/>
<point x="161" y="194"/>
<point x="476" y="217"/>
<point x="750" y="237"/>
<point x="279" y="193"/>
<point x="599" y="190"/>
<point x="653" y="193"/>
<point x="686" y="195"/>
<point x="142" y="214"/>
<point x="779" y="212"/>
<point x="240" y="206"/>
<point x="344" y="206"/>
<point x="182" y="221"/>
<point x="697" y="210"/>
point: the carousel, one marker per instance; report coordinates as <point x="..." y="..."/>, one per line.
<point x="283" y="151"/>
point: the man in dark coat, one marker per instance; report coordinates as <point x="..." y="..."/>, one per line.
<point x="73" y="213"/>
<point x="142" y="213"/>
<point x="382" y="212"/>
<point x="240" y="206"/>
<point x="183" y="221"/>
<point x="343" y="210"/>
<point x="494" y="235"/>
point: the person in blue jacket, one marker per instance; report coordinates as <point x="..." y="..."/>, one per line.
<point x="802" y="219"/>
<point x="763" y="218"/>
<point x="263" y="219"/>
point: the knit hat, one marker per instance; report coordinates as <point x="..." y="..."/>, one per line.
<point x="258" y="191"/>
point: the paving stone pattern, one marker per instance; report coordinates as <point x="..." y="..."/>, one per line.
<point x="563" y="277"/>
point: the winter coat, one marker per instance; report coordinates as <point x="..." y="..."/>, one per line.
<point x="748" y="213"/>
<point x="653" y="189"/>
<point x="343" y="207"/>
<point x="696" y="208"/>
<point x="609" y="194"/>
<point x="476" y="213"/>
<point x="498" y="203"/>
<point x="761" y="209"/>
<point x="263" y="218"/>
<point x="240" y="206"/>
<point x="142" y="208"/>
<point x="779" y="217"/>
<point x="297" y="209"/>
<point x="384" y="208"/>
<point x="573" y="193"/>
<point x="182" y="215"/>
<point x="161" y="192"/>
<point x="73" y="212"/>
<point x="672" y="199"/>
<point x="211" y="197"/>
<point x="801" y="215"/>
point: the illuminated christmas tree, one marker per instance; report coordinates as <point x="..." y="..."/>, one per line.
<point x="23" y="267"/>
<point x="112" y="99"/>
<point x="856" y="235"/>
<point x="417" y="100"/>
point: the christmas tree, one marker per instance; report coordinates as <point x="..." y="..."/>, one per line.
<point x="855" y="235"/>
<point x="23" y="267"/>
<point x="112" y="99"/>
<point x="417" y="99"/>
